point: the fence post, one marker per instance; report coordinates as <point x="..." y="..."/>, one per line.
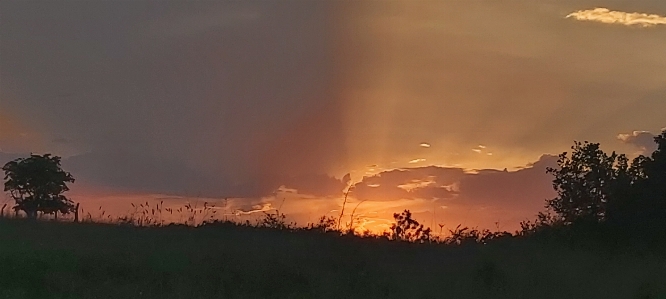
<point x="76" y="213"/>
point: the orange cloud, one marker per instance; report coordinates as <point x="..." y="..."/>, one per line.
<point x="607" y="16"/>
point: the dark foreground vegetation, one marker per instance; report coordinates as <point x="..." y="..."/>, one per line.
<point x="603" y="236"/>
<point x="88" y="260"/>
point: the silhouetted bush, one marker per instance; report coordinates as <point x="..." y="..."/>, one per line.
<point x="325" y="224"/>
<point x="407" y="229"/>
<point x="275" y="220"/>
<point x="465" y="235"/>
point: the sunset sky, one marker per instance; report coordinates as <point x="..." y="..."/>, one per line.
<point x="446" y="108"/>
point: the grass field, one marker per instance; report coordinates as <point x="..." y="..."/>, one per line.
<point x="87" y="260"/>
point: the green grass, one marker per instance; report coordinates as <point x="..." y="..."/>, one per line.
<point x="84" y="260"/>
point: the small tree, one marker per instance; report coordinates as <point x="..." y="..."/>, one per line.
<point x="37" y="184"/>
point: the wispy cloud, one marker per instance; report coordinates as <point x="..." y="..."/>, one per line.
<point x="417" y="161"/>
<point x="605" y="15"/>
<point x="264" y="207"/>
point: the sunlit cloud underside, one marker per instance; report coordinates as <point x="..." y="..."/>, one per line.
<point x="607" y="16"/>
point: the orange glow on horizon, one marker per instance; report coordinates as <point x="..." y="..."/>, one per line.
<point x="373" y="216"/>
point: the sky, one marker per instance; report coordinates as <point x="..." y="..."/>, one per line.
<point x="452" y="109"/>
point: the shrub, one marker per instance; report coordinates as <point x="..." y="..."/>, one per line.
<point x="407" y="229"/>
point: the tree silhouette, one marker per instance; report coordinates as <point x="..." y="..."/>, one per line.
<point x="594" y="187"/>
<point x="655" y="168"/>
<point x="37" y="185"/>
<point x="643" y="203"/>
<point x="585" y="182"/>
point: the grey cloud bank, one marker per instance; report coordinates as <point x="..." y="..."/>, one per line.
<point x="174" y="96"/>
<point x="240" y="98"/>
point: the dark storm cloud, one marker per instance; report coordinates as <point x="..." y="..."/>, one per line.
<point x="239" y="98"/>
<point x="199" y="97"/>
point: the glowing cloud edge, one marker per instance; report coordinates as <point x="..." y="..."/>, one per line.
<point x="607" y="16"/>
